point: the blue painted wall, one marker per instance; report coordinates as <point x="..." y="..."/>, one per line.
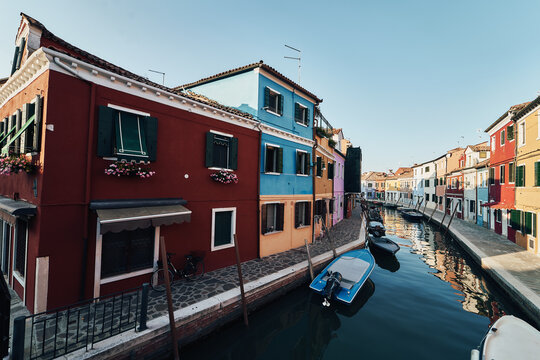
<point x="483" y="195"/>
<point x="287" y="183"/>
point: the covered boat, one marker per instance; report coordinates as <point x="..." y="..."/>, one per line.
<point x="412" y="215"/>
<point x="343" y="277"/>
<point x="509" y="338"/>
<point x="374" y="215"/>
<point x="376" y="228"/>
<point x="383" y="244"/>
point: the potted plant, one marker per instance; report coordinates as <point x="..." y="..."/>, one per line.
<point x="224" y="177"/>
<point x="132" y="169"/>
<point x="13" y="164"/>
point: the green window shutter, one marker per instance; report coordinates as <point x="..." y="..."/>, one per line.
<point x="280" y="104"/>
<point x="296" y="215"/>
<point x="20" y="54"/>
<point x="511" y="173"/>
<point x="330" y="170"/>
<point x="105" y="131"/>
<point x="280" y="217"/>
<point x="151" y="124"/>
<point x="510" y="133"/>
<point x="297" y="112"/>
<point x="209" y="157"/>
<point x="528" y="223"/>
<point x="537" y="173"/>
<point x="14" y="63"/>
<point x="36" y="146"/>
<point x="233" y="153"/>
<point x="130" y="136"/>
<point x="280" y="160"/>
<point x="222" y="228"/>
<point x="534" y="225"/>
<point x="308" y="213"/>
<point x="319" y="166"/>
<point x="264" y="230"/>
<point x="307" y="165"/>
<point x="266" y="97"/>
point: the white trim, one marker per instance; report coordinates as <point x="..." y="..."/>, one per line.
<point x="233" y="228"/>
<point x="143" y="217"/>
<point x="218" y="168"/>
<point x="272" y="173"/>
<point x="126" y="276"/>
<point x="270" y="130"/>
<point x="325" y="152"/>
<point x="303" y="175"/>
<point x="301" y="124"/>
<point x="274" y="91"/>
<point x="125" y="109"/>
<point x="156" y="246"/>
<point x="221" y="133"/>
<point x="272" y="202"/>
<point x="272" y="145"/>
<point x="302" y="105"/>
<point x="273" y="113"/>
<point x="97" y="260"/>
<point x="303" y="151"/>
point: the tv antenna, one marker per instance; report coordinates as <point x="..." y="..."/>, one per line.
<point x="295" y="58"/>
<point x="162" y="74"/>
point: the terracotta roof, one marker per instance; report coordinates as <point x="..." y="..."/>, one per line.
<point x="513" y="109"/>
<point x="482" y="164"/>
<point x="94" y="60"/>
<point x="480" y="147"/>
<point x="249" y="67"/>
<point x="530" y="106"/>
<point x="337" y="131"/>
<point x="456" y="149"/>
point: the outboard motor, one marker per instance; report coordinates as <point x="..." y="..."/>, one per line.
<point x="333" y="284"/>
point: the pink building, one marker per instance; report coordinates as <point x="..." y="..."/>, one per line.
<point x="339" y="186"/>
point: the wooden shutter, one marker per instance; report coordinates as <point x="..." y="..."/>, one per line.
<point x="233" y="153"/>
<point x="534" y="231"/>
<point x="36" y="146"/>
<point x="209" y="155"/>
<point x="297" y="215"/>
<point x="266" y="97"/>
<point x="264" y="230"/>
<point x="330" y="170"/>
<point x="298" y="162"/>
<point x="16" y="145"/>
<point x="537" y="173"/>
<point x="21" y="51"/>
<point x="105" y="131"/>
<point x="297" y="113"/>
<point x="14" y="63"/>
<point x="307" y="167"/>
<point x="151" y="137"/>
<point x="307" y="209"/>
<point x="279" y="160"/>
<point x="307" y="117"/>
<point x="528" y="223"/>
<point x="319" y="166"/>
<point x="280" y="217"/>
<point x="280" y="104"/>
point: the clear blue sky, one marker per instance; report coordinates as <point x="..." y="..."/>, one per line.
<point x="406" y="80"/>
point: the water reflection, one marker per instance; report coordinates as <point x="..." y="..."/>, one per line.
<point x="385" y="261"/>
<point x="449" y="263"/>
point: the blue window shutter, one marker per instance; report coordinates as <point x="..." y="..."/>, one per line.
<point x="307" y="117"/>
<point x="297" y="113"/>
<point x="298" y="162"/>
<point x="105" y="131"/>
<point x="233" y="154"/>
<point x="209" y="158"/>
<point x="151" y="124"/>
<point x="280" y="109"/>
<point x="266" y="97"/>
<point x="280" y="160"/>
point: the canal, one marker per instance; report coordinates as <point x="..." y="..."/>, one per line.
<point x="429" y="301"/>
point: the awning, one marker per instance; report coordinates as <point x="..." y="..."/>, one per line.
<point x="116" y="220"/>
<point x="11" y="209"/>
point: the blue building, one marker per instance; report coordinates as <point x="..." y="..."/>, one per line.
<point x="482" y="191"/>
<point x="285" y="111"/>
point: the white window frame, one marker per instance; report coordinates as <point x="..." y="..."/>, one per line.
<point x="275" y="92"/>
<point x="20" y="278"/>
<point x="502" y="171"/>
<point x="233" y="228"/>
<point x="306" y="202"/>
<point x="5" y="225"/>
<point x="275" y="217"/>
<point x="98" y="281"/>
<point x="307" y="159"/>
<point x="511" y="182"/>
<point x="304" y="116"/>
<point x="493" y="143"/>
<point x="502" y="136"/>
<point x="266" y="145"/>
<point x="228" y="151"/>
<point x="522" y="137"/>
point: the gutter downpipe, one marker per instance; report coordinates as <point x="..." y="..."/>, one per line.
<point x="313" y="158"/>
<point x="89" y="144"/>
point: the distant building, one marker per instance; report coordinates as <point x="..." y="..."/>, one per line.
<point x="474" y="154"/>
<point x="482" y="186"/>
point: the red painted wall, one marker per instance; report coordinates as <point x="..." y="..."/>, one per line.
<point x="456" y="193"/>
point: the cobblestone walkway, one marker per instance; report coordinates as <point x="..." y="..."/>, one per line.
<point x="186" y="293"/>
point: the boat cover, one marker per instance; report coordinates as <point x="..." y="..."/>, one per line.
<point x="375" y="224"/>
<point x="351" y="269"/>
<point x="513" y="339"/>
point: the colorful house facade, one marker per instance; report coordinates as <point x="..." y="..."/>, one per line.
<point x="339" y="186"/>
<point x="440" y="180"/>
<point x="285" y="112"/>
<point x="101" y="233"/>
<point x="474" y="154"/>
<point x="482" y="190"/>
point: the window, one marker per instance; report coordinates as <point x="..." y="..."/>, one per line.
<point x="302" y="214"/>
<point x="221" y="151"/>
<point x="510" y="133"/>
<point x="273" y="159"/>
<point x="454" y="183"/>
<point x="126" y="134"/>
<point x="440" y="199"/>
<point x="459" y="206"/>
<point x="20" y="247"/>
<point x="511" y="173"/>
<point x="515" y="219"/>
<point x="273" y="101"/>
<point x="223" y="228"/>
<point x="472" y="206"/>
<point x="491" y="176"/>
<point x="272" y="217"/>
<point x="520" y="175"/>
<point x="20" y="133"/>
<point x="127" y="251"/>
<point x="320" y="208"/>
<point x="521" y="133"/>
<point x="537" y="173"/>
<point x="320" y="169"/>
<point x="436" y="182"/>
<point x="502" y="137"/>
<point x="493" y="143"/>
<point x="498" y="213"/>
<point x="427" y="182"/>
<point x="483" y="154"/>
<point x="5" y="243"/>
<point x="330" y="172"/>
<point x="501" y="174"/>
<point x="302" y="162"/>
<point x="427" y="197"/>
<point x="17" y="57"/>
<point x="301" y="114"/>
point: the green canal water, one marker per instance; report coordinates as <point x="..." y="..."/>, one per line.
<point x="429" y="302"/>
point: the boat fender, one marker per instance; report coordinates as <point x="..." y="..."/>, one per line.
<point x="475" y="354"/>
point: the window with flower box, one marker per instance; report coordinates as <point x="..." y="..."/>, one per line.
<point x="221" y="151"/>
<point x="126" y="134"/>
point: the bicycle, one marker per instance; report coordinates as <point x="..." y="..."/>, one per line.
<point x="193" y="269"/>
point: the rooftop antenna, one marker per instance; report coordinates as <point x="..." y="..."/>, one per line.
<point x="162" y="74"/>
<point x="295" y="58"/>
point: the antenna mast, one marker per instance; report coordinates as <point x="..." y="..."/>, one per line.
<point x="299" y="58"/>
<point x="162" y="74"/>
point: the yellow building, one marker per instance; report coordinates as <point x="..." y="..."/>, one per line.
<point x="525" y="218"/>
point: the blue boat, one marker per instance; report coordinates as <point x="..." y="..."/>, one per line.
<point x="343" y="277"/>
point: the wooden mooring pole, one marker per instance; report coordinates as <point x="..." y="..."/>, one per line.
<point x="433" y="213"/>
<point x="169" y="297"/>
<point x="241" y="279"/>
<point x="425" y="205"/>
<point x="451" y="218"/>
<point x="310" y="264"/>
<point x="444" y="216"/>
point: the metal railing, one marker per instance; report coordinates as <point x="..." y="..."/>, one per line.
<point x="57" y="332"/>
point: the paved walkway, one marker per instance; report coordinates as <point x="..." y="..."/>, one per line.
<point x="514" y="268"/>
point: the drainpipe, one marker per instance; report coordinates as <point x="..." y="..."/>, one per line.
<point x="259" y="171"/>
<point x="314" y="158"/>
<point x="89" y="157"/>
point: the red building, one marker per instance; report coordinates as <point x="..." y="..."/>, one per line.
<point x="69" y="230"/>
<point x="454" y="192"/>
<point x="502" y="172"/>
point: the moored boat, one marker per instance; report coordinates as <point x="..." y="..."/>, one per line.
<point x="343" y="277"/>
<point x="412" y="215"/>
<point x="383" y="244"/>
<point x="376" y="228"/>
<point x="509" y="338"/>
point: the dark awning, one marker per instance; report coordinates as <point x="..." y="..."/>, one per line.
<point x="11" y="209"/>
<point x="131" y="214"/>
